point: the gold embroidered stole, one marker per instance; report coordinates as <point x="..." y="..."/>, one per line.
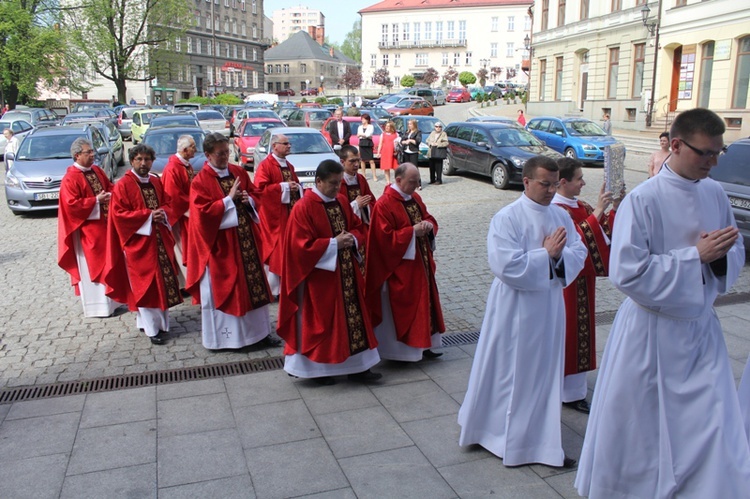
<point x="352" y="192"/>
<point x="423" y="248"/>
<point x="286" y="174"/>
<point x="589" y="239"/>
<point x="354" y="321"/>
<point x="150" y="198"/>
<point x="97" y="187"/>
<point x="254" y="273"/>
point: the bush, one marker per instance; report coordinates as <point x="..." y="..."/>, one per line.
<point x="466" y="78"/>
<point x="321" y="100"/>
<point x="408" y="81"/>
<point x="336" y="100"/>
<point x="303" y="101"/>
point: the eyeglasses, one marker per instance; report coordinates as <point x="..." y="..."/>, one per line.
<point x="545" y="184"/>
<point x="438" y="126"/>
<point x="283" y="143"/>
<point x="90" y="151"/>
<point x="706" y="154"/>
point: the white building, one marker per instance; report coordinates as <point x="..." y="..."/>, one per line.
<point x="287" y="22"/>
<point x="410" y="36"/>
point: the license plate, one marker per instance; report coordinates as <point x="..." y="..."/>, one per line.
<point x="41" y="196"/>
<point x="739" y="202"/>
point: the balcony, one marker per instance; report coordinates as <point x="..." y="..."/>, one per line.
<point x="423" y="44"/>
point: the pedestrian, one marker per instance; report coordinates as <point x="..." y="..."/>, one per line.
<point x="11" y="146"/>
<point x="437" y="142"/>
<point x="607" y="125"/>
<point x="521" y="118"/>
<point x="387" y="150"/>
<point x="410" y="140"/>
<point x="339" y="130"/>
<point x="322" y="312"/>
<point x="353" y="110"/>
<point x="666" y="413"/>
<point x="132" y="101"/>
<point x="140" y="232"/>
<point x="225" y="270"/>
<point x="85" y="193"/>
<point x="280" y="189"/>
<point x="658" y="158"/>
<point x="512" y="406"/>
<point x="594" y="226"/>
<point x="6" y="108"/>
<point x="365" y="133"/>
<point x="176" y="178"/>
<point x="402" y="292"/>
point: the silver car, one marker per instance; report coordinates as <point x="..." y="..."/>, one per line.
<point x="20" y="129"/>
<point x="212" y="121"/>
<point x="125" y="119"/>
<point x="308" y="117"/>
<point x="309" y="149"/>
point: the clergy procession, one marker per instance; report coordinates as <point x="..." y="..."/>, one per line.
<point x="354" y="275"/>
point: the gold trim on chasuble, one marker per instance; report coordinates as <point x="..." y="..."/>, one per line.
<point x="254" y="273"/>
<point x="352" y="193"/>
<point x="415" y="216"/>
<point x="150" y="198"/>
<point x="583" y="334"/>
<point x="286" y="174"/>
<point x="97" y="187"/>
<point x="355" y="324"/>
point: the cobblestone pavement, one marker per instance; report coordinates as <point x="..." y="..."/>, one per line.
<point x="45" y="339"/>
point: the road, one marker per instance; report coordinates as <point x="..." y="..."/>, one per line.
<point x="45" y="339"/>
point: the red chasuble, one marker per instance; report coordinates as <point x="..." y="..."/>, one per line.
<point x="362" y="188"/>
<point x="150" y="260"/>
<point x="238" y="282"/>
<point x="414" y="297"/>
<point x="78" y="192"/>
<point x="580" y="299"/>
<point x="335" y="322"/>
<point x="176" y="179"/>
<point x="274" y="215"/>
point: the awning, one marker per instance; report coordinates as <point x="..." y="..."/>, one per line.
<point x="164" y="89"/>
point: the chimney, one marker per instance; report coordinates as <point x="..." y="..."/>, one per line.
<point x="320" y="35"/>
<point x="331" y="51"/>
<point x="311" y="30"/>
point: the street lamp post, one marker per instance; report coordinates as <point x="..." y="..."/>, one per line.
<point x="322" y="77"/>
<point x="484" y="63"/>
<point x="530" y="50"/>
<point x="653" y="29"/>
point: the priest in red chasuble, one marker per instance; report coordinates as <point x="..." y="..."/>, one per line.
<point x="85" y="193"/>
<point x="594" y="225"/>
<point x="176" y="179"/>
<point x="322" y="312"/>
<point x="140" y="233"/>
<point x="400" y="273"/>
<point x="357" y="191"/>
<point x="280" y="189"/>
<point x="225" y="268"/>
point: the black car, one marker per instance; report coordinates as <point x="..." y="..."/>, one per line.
<point x="496" y="150"/>
<point x="733" y="175"/>
<point x="164" y="142"/>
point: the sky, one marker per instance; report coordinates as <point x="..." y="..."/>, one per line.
<point x="340" y="16"/>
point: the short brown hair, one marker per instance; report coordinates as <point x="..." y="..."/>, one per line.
<point x="568" y="167"/>
<point x="698" y="120"/>
<point x="212" y="140"/>
<point x="537" y="162"/>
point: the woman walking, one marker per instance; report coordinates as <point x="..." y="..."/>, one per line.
<point x="410" y="141"/>
<point x="438" y="144"/>
<point x="387" y="150"/>
<point x="365" y="146"/>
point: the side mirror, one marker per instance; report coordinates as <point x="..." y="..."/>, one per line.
<point x="482" y="144"/>
<point x="559" y="133"/>
<point x="337" y="147"/>
<point x="261" y="149"/>
<point x="102" y="150"/>
<point x="10" y="156"/>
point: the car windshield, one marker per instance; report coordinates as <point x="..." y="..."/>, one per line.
<point x="426" y="126"/>
<point x="319" y="115"/>
<point x="185" y="120"/>
<point x="514" y="137"/>
<point x="4" y="125"/>
<point x="165" y="144"/>
<point x="261" y="114"/>
<point x="78" y="117"/>
<point x="393" y="99"/>
<point x="17" y="115"/>
<point x="405" y="104"/>
<point x="584" y="128"/>
<point x="377" y="113"/>
<point x="147" y="117"/>
<point x="256" y="129"/>
<point x="308" y="143"/>
<point x="209" y="115"/>
<point x="457" y="90"/>
<point x="46" y="147"/>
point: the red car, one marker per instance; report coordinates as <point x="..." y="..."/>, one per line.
<point x="458" y="94"/>
<point x="247" y="137"/>
<point x="354" y="122"/>
<point x="309" y="91"/>
<point x="288" y="92"/>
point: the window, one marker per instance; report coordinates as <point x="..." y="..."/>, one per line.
<point x="450" y="34"/>
<point x="278" y="68"/>
<point x="243" y="28"/>
<point x="242" y="5"/>
<point x="558" y="77"/>
<point x="209" y="49"/>
<point x="384" y="33"/>
<point x="742" y="75"/>
<point x="545" y="14"/>
<point x="680" y="3"/>
<point x="614" y="65"/>
<point x="527" y="23"/>
<point x="640" y="2"/>
<point x="428" y="30"/>
<point x="255" y="79"/>
<point x="456" y="58"/>
<point x="255" y="54"/>
<point x="373" y="60"/>
<point x="217" y="24"/>
<point x="208" y="22"/>
<point x="616" y="5"/>
<point x="198" y="18"/>
<point x="493" y="49"/>
<point x="493" y="24"/>
<point x="255" y="31"/>
<point x="421" y="59"/>
<point x="468" y="58"/>
<point x="394" y="28"/>
<point x="303" y="68"/>
<point x="416" y="31"/>
<point x="584" y="9"/>
<point x="462" y="30"/>
<point x="444" y="59"/>
<point x="269" y="69"/>
<point x="226" y="3"/>
<point x="234" y="4"/>
<point x="234" y="26"/>
<point x="226" y="25"/>
<point x="286" y="68"/>
<point x="226" y="50"/>
<point x="439" y="30"/>
<point x="254" y="6"/>
<point x="405" y="32"/>
<point x="561" y="13"/>
<point x="509" y="49"/>
<point x="542" y="78"/>
<point x="244" y="53"/>
<point x="707" y="66"/>
<point x="639" y="57"/>
<point x="189" y="45"/>
<point x="687" y="72"/>
<point x="198" y="45"/>
<point x="396" y="59"/>
<point x="385" y="59"/>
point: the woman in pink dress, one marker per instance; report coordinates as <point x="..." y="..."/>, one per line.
<point x="386" y="151"/>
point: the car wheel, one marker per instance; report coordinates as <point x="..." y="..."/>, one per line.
<point x="448" y="167"/>
<point x="571" y="153"/>
<point x="500" y="176"/>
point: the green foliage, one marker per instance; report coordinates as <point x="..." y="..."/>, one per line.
<point x="408" y="81"/>
<point x="336" y="100"/>
<point x="321" y="100"/>
<point x="303" y="101"/>
<point x="466" y="78"/>
<point x="198" y="100"/>
<point x="352" y="45"/>
<point x="222" y="99"/>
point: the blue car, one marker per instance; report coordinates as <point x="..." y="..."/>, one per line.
<point x="576" y="138"/>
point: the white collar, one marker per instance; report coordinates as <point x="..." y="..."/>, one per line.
<point x="143" y="180"/>
<point x="351" y="179"/>
<point x="82" y="168"/>
<point x="560" y="199"/>
<point x="184" y="161"/>
<point x="281" y="161"/>
<point x="406" y="197"/>
<point x="221" y="173"/>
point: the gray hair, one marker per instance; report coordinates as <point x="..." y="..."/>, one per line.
<point x="184" y="142"/>
<point x="77" y="146"/>
<point x="277" y="138"/>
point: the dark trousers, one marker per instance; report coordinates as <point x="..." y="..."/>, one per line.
<point x="410" y="157"/>
<point x="436" y="170"/>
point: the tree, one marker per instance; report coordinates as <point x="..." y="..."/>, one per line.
<point x="430" y="76"/>
<point x="130" y="40"/>
<point x="352" y="45"/>
<point x="466" y="78"/>
<point x="408" y="81"/>
<point x="383" y="77"/>
<point x="450" y="75"/>
<point x="352" y="78"/>
<point x="482" y="76"/>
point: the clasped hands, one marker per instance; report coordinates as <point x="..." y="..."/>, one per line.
<point x="716" y="244"/>
<point x="235" y="194"/>
<point x="422" y="228"/>
<point x="555" y="242"/>
<point x="345" y="240"/>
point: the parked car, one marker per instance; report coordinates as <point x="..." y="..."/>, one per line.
<point x="33" y="182"/>
<point x="495" y="119"/>
<point x="90" y="115"/>
<point x="141" y="121"/>
<point x="577" y="138"/>
<point x="475" y="91"/>
<point x="88" y="106"/>
<point x="397" y="99"/>
<point x="439" y="97"/>
<point x="287" y="92"/>
<point x="242" y="114"/>
<point x="169" y="119"/>
<point x="212" y="121"/>
<point x="458" y="94"/>
<point x="733" y="175"/>
<point x="309" y="149"/>
<point x="425" y="124"/>
<point x="354" y="122"/>
<point x="309" y="91"/>
<point x="498" y="88"/>
<point x="164" y="142"/>
<point x="496" y="150"/>
<point x="312" y="104"/>
<point x="285" y="112"/>
<point x="111" y="134"/>
<point x="414" y="108"/>
<point x="381" y="99"/>
<point x="377" y="115"/>
<point x="20" y="129"/>
<point x="309" y="117"/>
<point x="125" y="119"/>
<point x="247" y="137"/>
<point x="426" y="93"/>
<point x="36" y="116"/>
<point x="184" y="107"/>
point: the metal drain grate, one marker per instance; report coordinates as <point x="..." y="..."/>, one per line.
<point x="455" y="339"/>
<point x="140" y="379"/>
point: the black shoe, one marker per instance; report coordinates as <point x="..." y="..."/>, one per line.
<point x="438" y="182"/>
<point x="269" y="342"/>
<point x="580" y="406"/>
<point x="184" y="293"/>
<point x="429" y="354"/>
<point x="158" y="339"/>
<point x="569" y="463"/>
<point x="325" y="381"/>
<point x="365" y="376"/>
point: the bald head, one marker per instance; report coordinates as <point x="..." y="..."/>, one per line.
<point x="407" y="178"/>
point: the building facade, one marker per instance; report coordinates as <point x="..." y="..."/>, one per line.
<point x="287" y="22"/>
<point x="590" y="58"/>
<point x="409" y="36"/>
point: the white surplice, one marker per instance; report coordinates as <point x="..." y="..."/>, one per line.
<point x="665" y="420"/>
<point x="744" y="394"/>
<point x="513" y="403"/>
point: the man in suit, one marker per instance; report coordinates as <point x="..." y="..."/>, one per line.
<point x="339" y="129"/>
